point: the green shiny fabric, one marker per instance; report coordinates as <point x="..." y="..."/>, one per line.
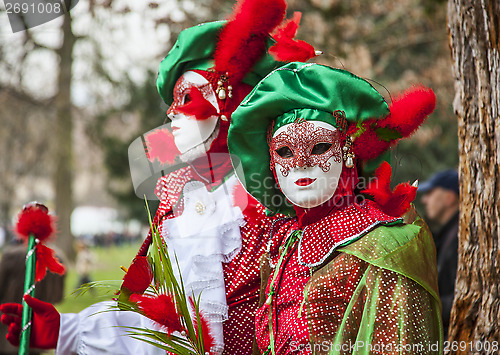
<point x="396" y="301"/>
<point x="194" y="49"/>
<point x="295" y="86"/>
<point x="306" y="114"/>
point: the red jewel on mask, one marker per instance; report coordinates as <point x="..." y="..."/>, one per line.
<point x="304" y="144"/>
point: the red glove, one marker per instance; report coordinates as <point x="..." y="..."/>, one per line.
<point x="44" y="326"/>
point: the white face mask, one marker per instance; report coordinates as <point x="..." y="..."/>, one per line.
<point x="190" y="133"/>
<point x="307" y="157"/>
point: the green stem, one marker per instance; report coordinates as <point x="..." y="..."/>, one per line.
<point x="29" y="289"/>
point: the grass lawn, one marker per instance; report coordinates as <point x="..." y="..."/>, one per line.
<point x="107" y="267"/>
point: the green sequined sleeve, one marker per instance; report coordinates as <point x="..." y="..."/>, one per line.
<point x="378" y="296"/>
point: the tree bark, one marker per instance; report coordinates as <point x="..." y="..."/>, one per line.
<point x="63" y="175"/>
<point x="475" y="43"/>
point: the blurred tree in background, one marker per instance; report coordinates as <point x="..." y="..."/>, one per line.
<point x="118" y="46"/>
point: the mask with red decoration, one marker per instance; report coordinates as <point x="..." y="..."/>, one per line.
<point x="204" y="77"/>
<point x="306" y="126"/>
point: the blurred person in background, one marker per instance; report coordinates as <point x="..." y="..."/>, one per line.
<point x="85" y="259"/>
<point x="440" y="196"/>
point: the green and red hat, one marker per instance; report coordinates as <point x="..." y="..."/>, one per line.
<point x="316" y="92"/>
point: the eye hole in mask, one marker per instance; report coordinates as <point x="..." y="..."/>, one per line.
<point x="321" y="148"/>
<point x="284" y="152"/>
<point x="187" y="98"/>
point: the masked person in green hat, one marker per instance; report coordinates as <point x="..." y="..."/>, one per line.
<point x="348" y="275"/>
<point x="205" y="216"/>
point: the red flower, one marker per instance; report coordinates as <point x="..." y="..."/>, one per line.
<point x="161" y="309"/>
<point x="139" y="275"/>
<point x="45" y="259"/>
<point x="35" y="219"/>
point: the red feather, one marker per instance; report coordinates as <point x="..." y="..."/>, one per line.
<point x="396" y="202"/>
<point x="160" y="145"/>
<point x="243" y="40"/>
<point x="199" y="107"/>
<point x="139" y="275"/>
<point x="35" y="219"/>
<point x="208" y="338"/>
<point x="408" y="111"/>
<point x="286" y="48"/>
<point x="45" y="259"/>
<point x="369" y="146"/>
<point x="161" y="309"/>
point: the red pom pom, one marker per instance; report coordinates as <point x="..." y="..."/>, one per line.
<point x="139" y="275"/>
<point x="396" y="202"/>
<point x="159" y="308"/>
<point x="160" y="145"/>
<point x="35" y="219"/>
<point x="46" y="259"/>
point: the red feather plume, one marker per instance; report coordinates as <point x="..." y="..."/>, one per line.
<point x="368" y="145"/>
<point x="159" y="308"/>
<point x="160" y="145"/>
<point x="139" y="275"/>
<point x="392" y="202"/>
<point x="45" y="259"/>
<point x="286" y="48"/>
<point x="243" y="40"/>
<point x="208" y="338"/>
<point x="35" y="219"/>
<point x="199" y="107"/>
<point x="408" y="111"/>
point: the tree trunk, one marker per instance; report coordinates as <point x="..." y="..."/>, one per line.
<point x="63" y="176"/>
<point x="475" y="43"/>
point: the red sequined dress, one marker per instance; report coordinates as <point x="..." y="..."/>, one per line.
<point x="356" y="281"/>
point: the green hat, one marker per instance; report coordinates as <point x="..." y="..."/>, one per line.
<point x="297" y="90"/>
<point x="194" y="49"/>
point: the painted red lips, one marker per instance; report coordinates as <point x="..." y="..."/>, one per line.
<point x="304" y="181"/>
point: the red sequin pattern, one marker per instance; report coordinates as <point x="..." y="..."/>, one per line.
<point x="290" y="330"/>
<point x="318" y="241"/>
